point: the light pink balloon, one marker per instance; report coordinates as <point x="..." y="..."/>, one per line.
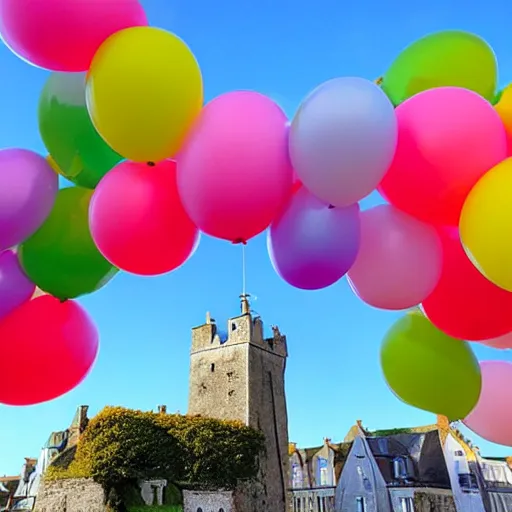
<point x="399" y="261"/>
<point x="492" y="416"/>
<point x="234" y="172"/>
<point x="501" y="342"/>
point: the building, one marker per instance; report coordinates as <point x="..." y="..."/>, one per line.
<point x="240" y="376"/>
<point x="24" y="488"/>
<point x="314" y="473"/>
<point x="419" y="469"/>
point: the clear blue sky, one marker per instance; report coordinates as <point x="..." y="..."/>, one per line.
<point x="283" y="49"/>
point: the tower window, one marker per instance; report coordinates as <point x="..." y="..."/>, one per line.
<point x="212" y="367"/>
<point x="233" y="326"/>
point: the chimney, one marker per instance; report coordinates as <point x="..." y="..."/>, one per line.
<point x="443" y="422"/>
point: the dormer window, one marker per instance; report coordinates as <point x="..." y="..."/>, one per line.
<point x="400" y="468"/>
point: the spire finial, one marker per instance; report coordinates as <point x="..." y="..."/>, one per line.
<point x="244" y="303"/>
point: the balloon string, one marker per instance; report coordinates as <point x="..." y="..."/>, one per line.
<point x="243" y="271"/>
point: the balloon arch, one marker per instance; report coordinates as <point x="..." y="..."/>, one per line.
<point x="433" y="136"/>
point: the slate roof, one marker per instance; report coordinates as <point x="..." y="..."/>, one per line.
<point x="422" y="454"/>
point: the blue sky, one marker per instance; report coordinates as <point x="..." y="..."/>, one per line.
<point x="283" y="49"/>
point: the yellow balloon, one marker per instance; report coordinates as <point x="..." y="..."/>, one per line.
<point x="486" y="224"/>
<point x="54" y="166"/>
<point x="504" y="109"/>
<point x="144" y="91"/>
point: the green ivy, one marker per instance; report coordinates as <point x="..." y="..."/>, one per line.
<point x="390" y="432"/>
<point x="121" y="447"/>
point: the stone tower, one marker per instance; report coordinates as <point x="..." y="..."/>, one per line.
<point x="242" y="378"/>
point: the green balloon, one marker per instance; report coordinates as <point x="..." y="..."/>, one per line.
<point x="68" y="134"/>
<point x="61" y="257"/>
<point x="430" y="370"/>
<point x="448" y="58"/>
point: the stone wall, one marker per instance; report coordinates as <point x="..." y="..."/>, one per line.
<point x="430" y="502"/>
<point x="208" y="501"/>
<point x="80" y="495"/>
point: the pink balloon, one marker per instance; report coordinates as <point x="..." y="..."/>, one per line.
<point x="399" y="262"/>
<point x="448" y="138"/>
<point x="234" y="172"/>
<point x="492" y="416"/>
<point x="63" y="35"/>
<point x="501" y="342"/>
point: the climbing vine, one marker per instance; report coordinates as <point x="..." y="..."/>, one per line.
<point x="121" y="447"/>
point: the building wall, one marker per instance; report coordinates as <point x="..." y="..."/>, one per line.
<point x="80" y="495"/>
<point x="456" y="464"/>
<point x="361" y="478"/>
<point x="205" y="501"/>
<point x="242" y="378"/>
<point x="425" y="501"/>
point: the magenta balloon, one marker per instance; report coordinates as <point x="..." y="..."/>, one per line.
<point x="28" y="188"/>
<point x="399" y="262"/>
<point x="312" y="245"/>
<point x="492" y="416"/>
<point x="15" y="286"/>
<point x="234" y="172"/>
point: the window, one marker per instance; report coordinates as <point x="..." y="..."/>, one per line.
<point x="459" y="453"/>
<point x="323" y="471"/>
<point x="212" y="367"/>
<point x="360" y="504"/>
<point x="297" y="476"/>
<point x="221" y="510"/>
<point x="406" y="505"/>
<point x="400" y="468"/>
<point x="199" y="509"/>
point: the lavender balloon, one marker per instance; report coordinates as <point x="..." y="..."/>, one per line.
<point x="343" y="139"/>
<point x="28" y="187"/>
<point x="15" y="286"/>
<point x="312" y="245"/>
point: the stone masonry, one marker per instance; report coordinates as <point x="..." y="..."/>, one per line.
<point x="242" y="379"/>
<point x="77" y="495"/>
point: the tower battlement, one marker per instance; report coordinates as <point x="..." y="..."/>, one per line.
<point x="241" y="329"/>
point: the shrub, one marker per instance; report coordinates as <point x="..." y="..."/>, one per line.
<point x="120" y="447"/>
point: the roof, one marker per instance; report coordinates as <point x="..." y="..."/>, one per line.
<point x="422" y="454"/>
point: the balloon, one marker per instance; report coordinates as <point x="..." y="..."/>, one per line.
<point x="428" y="369"/>
<point x="50" y="347"/>
<point x="28" y="187"/>
<point x="144" y="90"/>
<point x="342" y="140"/>
<point x="137" y="219"/>
<point x="448" y="138"/>
<point x="311" y="245"/>
<point x="79" y="152"/>
<point x="61" y="258"/>
<point x="492" y="416"/>
<point x="504" y="109"/>
<point x="501" y="342"/>
<point x="15" y="286"/>
<point x="234" y="172"/>
<point x="485" y="225"/>
<point x="399" y="262"/>
<point x="464" y="304"/>
<point x="447" y="58"/>
<point x="60" y="35"/>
